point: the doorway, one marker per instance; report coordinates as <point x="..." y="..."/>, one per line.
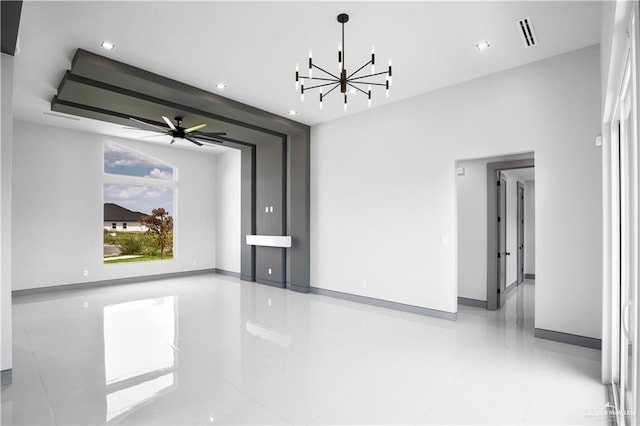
<point x="478" y="241"/>
<point x="511" y="189"/>
<point x="500" y="280"/>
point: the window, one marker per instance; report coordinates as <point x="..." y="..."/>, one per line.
<point x="138" y="193"/>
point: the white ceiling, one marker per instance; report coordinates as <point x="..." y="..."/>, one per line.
<point x="253" y="47"/>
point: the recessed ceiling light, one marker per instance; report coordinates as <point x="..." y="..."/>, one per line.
<point x="107" y="45"/>
<point x="292" y="112"/>
<point x="483" y="45"/>
<point x="221" y="86"/>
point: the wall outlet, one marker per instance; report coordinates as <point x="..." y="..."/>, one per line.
<point x="269" y="302"/>
<point x="85" y="273"/>
<point x="271" y="209"/>
<point x="194" y="262"/>
<point x="269" y="271"/>
<point x="266" y="209"/>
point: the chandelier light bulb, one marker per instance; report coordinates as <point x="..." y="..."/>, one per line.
<point x="321" y="98"/>
<point x="302" y="91"/>
<point x="373" y="60"/>
<point x="390" y="76"/>
<point x="297" y="77"/>
<point x="310" y="65"/>
<point x="369" y="95"/>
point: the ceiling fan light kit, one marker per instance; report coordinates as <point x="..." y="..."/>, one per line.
<point x="348" y="83"/>
<point x="191" y="134"/>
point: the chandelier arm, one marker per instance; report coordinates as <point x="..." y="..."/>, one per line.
<point x="319" y="85"/>
<point x="357" y="88"/>
<point x="331" y="90"/>
<point x="321" y="79"/>
<point x="359" y="69"/>
<point x="326" y="72"/>
<point x="370" y="75"/>
<point x="366" y="82"/>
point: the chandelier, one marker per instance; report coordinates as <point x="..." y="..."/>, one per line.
<point x="348" y="83"/>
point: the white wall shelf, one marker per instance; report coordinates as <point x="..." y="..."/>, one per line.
<point x="269" y="240"/>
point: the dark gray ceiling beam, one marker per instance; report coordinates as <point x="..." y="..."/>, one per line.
<point x="119" y="74"/>
<point x="10" y="11"/>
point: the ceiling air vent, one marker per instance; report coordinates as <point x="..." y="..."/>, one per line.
<point x="526" y="32"/>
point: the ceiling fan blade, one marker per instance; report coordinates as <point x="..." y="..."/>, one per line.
<point x="194" y="128"/>
<point x="211" y="133"/>
<point x="192" y="140"/>
<point x="148" y="124"/>
<point x="137" y="128"/>
<point x="169" y="123"/>
<point x="217" y="141"/>
<point x="206" y="138"/>
<point x="152" y="136"/>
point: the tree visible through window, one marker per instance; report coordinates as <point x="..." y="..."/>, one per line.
<point x="138" y="199"/>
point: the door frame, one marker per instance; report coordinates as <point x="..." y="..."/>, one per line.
<point x="501" y="235"/>
<point x="520" y="231"/>
<point x="492" y="224"/>
<point x="622" y="55"/>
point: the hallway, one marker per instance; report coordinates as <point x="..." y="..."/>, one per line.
<point x="210" y="349"/>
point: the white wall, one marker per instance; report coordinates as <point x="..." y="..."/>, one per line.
<point x="228" y="199"/>
<point x="472" y="229"/>
<point x="383" y="205"/>
<point x="530" y="227"/>
<point x="58" y="208"/>
<point x="6" y="143"/>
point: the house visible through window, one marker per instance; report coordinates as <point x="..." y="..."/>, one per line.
<point x="138" y="200"/>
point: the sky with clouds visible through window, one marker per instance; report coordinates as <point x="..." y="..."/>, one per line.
<point x="119" y="160"/>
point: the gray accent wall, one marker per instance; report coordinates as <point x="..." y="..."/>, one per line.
<point x="298" y="208"/>
<point x="274" y="159"/>
<point x="6" y="377"/>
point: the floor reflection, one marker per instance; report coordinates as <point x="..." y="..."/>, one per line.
<point x="223" y="351"/>
<point x="139" y="350"/>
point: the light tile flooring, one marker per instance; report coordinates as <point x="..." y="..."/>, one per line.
<point x="210" y="349"/>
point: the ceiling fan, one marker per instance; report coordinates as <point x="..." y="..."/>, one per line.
<point x="175" y="130"/>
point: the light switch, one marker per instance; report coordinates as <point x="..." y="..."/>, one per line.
<point x="271" y="209"/>
<point x="266" y="209"/>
